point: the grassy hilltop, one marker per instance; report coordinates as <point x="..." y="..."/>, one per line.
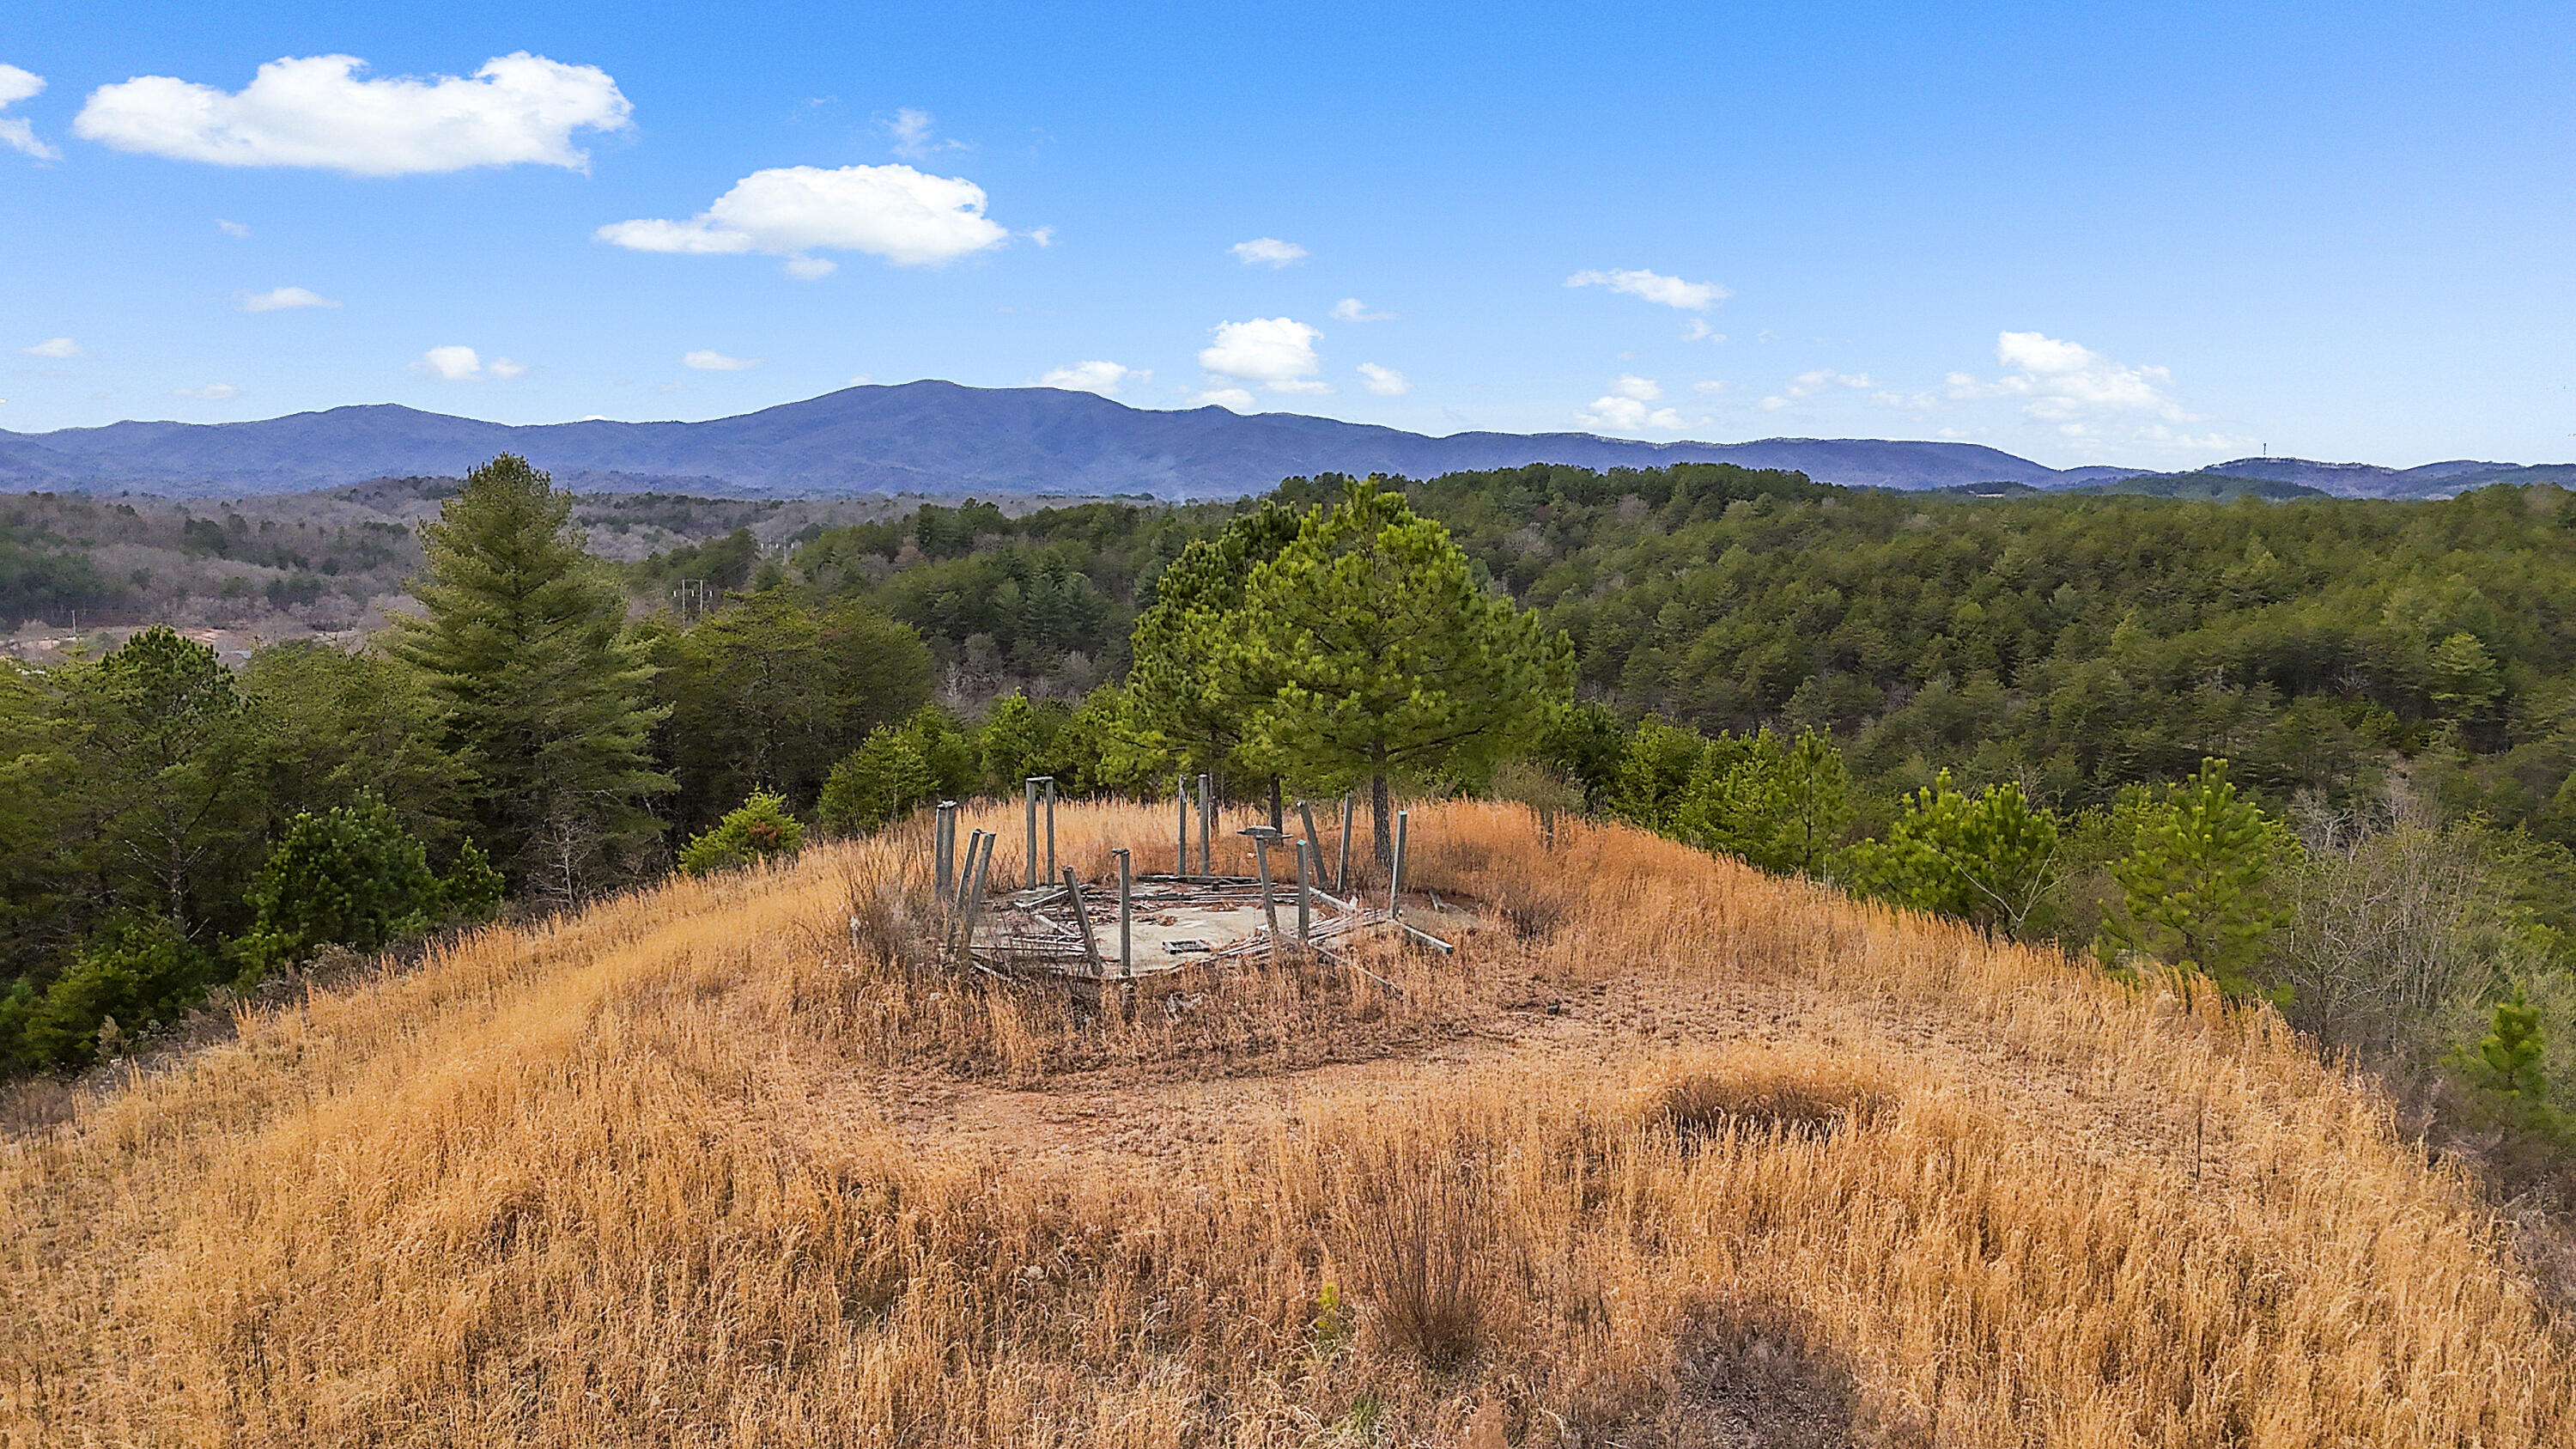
<point x="1671" y="1152"/>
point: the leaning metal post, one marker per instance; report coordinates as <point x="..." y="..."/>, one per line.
<point x="1262" y="835"/>
<point x="1082" y="913"/>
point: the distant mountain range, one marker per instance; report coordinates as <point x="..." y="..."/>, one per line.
<point x="939" y="438"/>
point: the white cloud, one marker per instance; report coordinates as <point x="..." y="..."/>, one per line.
<point x="1712" y="387"/>
<point x="708" y="360"/>
<point x="1275" y="351"/>
<point x="1227" y="397"/>
<point x="460" y="364"/>
<point x="1655" y="287"/>
<point x="15" y="132"/>
<point x="1640" y="389"/>
<point x="1352" y="309"/>
<point x="232" y="229"/>
<point x="1267" y="251"/>
<point x="1619" y="414"/>
<point x="55" y="347"/>
<point x="1808" y="384"/>
<point x="1699" y="331"/>
<point x="1044" y="236"/>
<point x="211" y="392"/>
<point x="912" y="132"/>
<point x="905" y="216"/>
<point x="316" y="111"/>
<point x="1104" y="378"/>
<point x="1385" y="381"/>
<point x="2066" y="382"/>
<point x="283" y="299"/>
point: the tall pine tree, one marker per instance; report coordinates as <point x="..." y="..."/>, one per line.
<point x="524" y="636"/>
<point x="1370" y="653"/>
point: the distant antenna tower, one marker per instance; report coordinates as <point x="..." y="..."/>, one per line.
<point x="692" y="595"/>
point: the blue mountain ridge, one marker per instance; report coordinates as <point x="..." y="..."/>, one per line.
<point x="944" y="439"/>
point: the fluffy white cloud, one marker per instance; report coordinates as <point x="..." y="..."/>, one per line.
<point x="17" y="85"/>
<point x="1227" y="397"/>
<point x="1808" y="384"/>
<point x="1385" y="381"/>
<point x="1352" y="309"/>
<point x="1104" y="378"/>
<point x="232" y="229"/>
<point x="905" y="216"/>
<point x="55" y="347"/>
<point x="282" y="299"/>
<point x="1267" y="251"/>
<point x="1044" y="236"/>
<point x="2066" y="382"/>
<point x="1628" y="415"/>
<point x="1639" y="389"/>
<point x="318" y="111"/>
<point x="211" y="392"/>
<point x="461" y="364"/>
<point x="1274" y="351"/>
<point x="1655" y="287"/>
<point x="709" y="360"/>
<point x="1712" y="387"/>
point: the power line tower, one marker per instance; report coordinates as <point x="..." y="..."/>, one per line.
<point x="692" y="598"/>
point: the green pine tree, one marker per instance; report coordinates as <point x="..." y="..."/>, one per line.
<point x="351" y="876"/>
<point x="759" y="829"/>
<point x="1182" y="711"/>
<point x="523" y="637"/>
<point x="2197" y="888"/>
<point x="1986" y="858"/>
<point x="2513" y="1060"/>
<point x="1370" y="653"/>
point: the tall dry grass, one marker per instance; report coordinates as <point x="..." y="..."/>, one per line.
<point x="630" y="1177"/>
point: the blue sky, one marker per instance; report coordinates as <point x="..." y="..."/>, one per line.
<point x="2154" y="235"/>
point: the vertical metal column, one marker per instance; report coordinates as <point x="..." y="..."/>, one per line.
<point x="1029" y="798"/>
<point x="1181" y="856"/>
<point x="1395" y="876"/>
<point x="1050" y="784"/>
<point x="1342" y="877"/>
<point x="1207" y="824"/>
<point x="1305" y="893"/>
<point x="1126" y="918"/>
<point x="943" y="850"/>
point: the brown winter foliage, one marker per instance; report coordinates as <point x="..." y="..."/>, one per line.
<point x="1671" y="1152"/>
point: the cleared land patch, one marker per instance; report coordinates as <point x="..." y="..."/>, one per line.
<point x="1670" y="1152"/>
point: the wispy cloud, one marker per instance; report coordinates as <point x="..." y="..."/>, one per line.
<point x="15" y="131"/>
<point x="283" y="299"/>
<point x="1352" y="309"/>
<point x="1267" y="251"/>
<point x="1655" y="287"/>
<point x="708" y="360"/>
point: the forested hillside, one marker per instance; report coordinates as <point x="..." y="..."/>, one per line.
<point x="2340" y="730"/>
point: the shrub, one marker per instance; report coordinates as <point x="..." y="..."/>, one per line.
<point x="134" y="973"/>
<point x="351" y="877"/>
<point x="758" y="829"/>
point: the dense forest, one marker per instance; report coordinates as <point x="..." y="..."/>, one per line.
<point x="2340" y="731"/>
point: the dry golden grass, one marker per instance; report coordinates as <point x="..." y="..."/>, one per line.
<point x="639" y="1176"/>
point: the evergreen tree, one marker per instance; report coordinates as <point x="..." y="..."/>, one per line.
<point x="759" y="829"/>
<point x="1781" y="805"/>
<point x="2513" y="1060"/>
<point x="885" y="777"/>
<point x="2197" y="888"/>
<point x="1371" y="654"/>
<point x="350" y="877"/>
<point x="1180" y="706"/>
<point x="522" y="637"/>
<point x="1986" y="858"/>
